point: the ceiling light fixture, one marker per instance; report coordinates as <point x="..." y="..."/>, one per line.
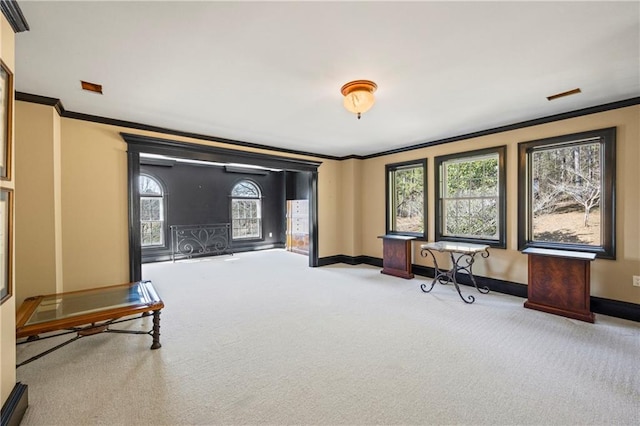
<point x="358" y="96"/>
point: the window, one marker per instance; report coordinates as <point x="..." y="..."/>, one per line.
<point x="406" y="188"/>
<point x="246" y="211"/>
<point x="567" y="193"/>
<point x="152" y="222"/>
<point x="470" y="195"/>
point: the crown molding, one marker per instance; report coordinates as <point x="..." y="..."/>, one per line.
<point x="27" y="97"/>
<point x="529" y="123"/>
<point x="11" y="10"/>
<point x="41" y="100"/>
<point x="44" y="100"/>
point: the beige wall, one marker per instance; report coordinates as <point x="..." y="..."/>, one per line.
<point x="91" y="165"/>
<point x="8" y="308"/>
<point x="609" y="278"/>
<point x="95" y="249"/>
<point x="351" y="202"/>
<point x="351" y="231"/>
<point x="330" y="208"/>
<point x="38" y="270"/>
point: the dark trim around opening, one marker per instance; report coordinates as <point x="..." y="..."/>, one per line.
<point x="192" y="151"/>
<point x="501" y="241"/>
<point x="313" y="219"/>
<point x="137" y="144"/>
<point x="389" y="203"/>
<point x="607" y="137"/>
<point x="11" y="10"/>
<point x="135" y="240"/>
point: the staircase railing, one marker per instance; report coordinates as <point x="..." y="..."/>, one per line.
<point x="188" y="241"/>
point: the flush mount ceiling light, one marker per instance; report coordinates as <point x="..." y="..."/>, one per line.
<point x="358" y="96"/>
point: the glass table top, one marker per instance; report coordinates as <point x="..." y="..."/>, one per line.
<point x="66" y="305"/>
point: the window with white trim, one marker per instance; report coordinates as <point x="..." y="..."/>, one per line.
<point x="246" y="211"/>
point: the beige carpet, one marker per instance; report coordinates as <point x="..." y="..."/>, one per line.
<point x="261" y="338"/>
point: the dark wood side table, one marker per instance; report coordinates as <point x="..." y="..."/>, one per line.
<point x="396" y="255"/>
<point x="560" y="282"/>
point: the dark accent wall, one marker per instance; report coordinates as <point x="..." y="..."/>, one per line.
<point x="201" y="195"/>
<point x="297" y="184"/>
<point x="137" y="144"/>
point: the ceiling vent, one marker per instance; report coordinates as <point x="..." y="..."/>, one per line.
<point x="563" y="94"/>
<point x="91" y="87"/>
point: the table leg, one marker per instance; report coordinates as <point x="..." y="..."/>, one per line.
<point x="455" y="267"/>
<point x="469" y="259"/>
<point x="464" y="262"/>
<point x="437" y="275"/>
<point x="156" y="330"/>
<point x="483" y="290"/>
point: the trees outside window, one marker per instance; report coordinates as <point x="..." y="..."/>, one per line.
<point x="405" y="198"/>
<point x="566" y="187"/>
<point x="471" y="197"/>
<point x="246" y="211"/>
<point x="152" y="223"/>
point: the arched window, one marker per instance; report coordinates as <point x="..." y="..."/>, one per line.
<point x="152" y="221"/>
<point x="246" y="211"/>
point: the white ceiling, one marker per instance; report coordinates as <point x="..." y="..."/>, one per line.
<point x="270" y="73"/>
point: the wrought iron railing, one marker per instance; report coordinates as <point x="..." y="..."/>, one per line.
<point x="189" y="241"/>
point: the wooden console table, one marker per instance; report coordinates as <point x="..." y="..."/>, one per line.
<point x="396" y="257"/>
<point x="559" y="282"/>
<point x="87" y="312"/>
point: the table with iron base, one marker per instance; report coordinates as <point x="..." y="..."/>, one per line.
<point x="87" y="312"/>
<point x="462" y="263"/>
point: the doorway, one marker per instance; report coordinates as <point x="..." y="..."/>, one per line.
<point x="298" y="226"/>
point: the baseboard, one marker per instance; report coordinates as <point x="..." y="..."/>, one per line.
<point x="257" y="247"/>
<point x="332" y="260"/>
<point x="615" y="308"/>
<point x="599" y="305"/>
<point x="166" y="256"/>
<point x="14" y="407"/>
<point x="349" y="260"/>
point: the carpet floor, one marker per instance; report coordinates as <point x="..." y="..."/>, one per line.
<point x="261" y="338"/>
